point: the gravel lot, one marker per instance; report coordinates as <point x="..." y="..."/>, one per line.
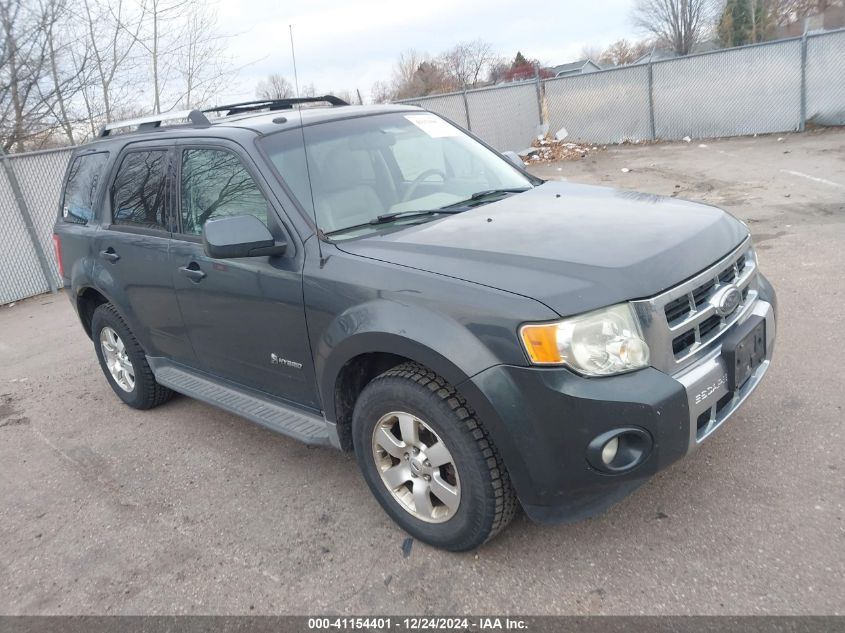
<point x="187" y="509"/>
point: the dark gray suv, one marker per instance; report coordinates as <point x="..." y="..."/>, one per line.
<point x="377" y="279"/>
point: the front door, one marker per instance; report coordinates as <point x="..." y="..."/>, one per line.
<point x="244" y="317"/>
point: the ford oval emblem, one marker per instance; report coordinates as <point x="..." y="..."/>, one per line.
<point x="726" y="300"/>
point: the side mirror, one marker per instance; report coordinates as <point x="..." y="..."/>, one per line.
<point x="513" y="157"/>
<point x="239" y="236"/>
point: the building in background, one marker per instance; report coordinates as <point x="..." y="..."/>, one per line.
<point x="580" y="67"/>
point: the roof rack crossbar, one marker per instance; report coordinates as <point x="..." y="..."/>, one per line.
<point x="274" y="104"/>
<point x="154" y="121"/>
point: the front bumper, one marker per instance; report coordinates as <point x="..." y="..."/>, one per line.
<point x="542" y="421"/>
<point x="709" y="401"/>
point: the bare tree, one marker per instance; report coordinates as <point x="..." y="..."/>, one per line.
<point x="591" y="52"/>
<point x="681" y="24"/>
<point x="417" y="74"/>
<point x="104" y="57"/>
<point x="466" y="63"/>
<point x="406" y="66"/>
<point x="185" y="53"/>
<point x="624" y="52"/>
<point x="790" y="11"/>
<point x="274" y="87"/>
<point x="27" y="92"/>
<point x="381" y="92"/>
<point x="200" y="58"/>
<point x="497" y="69"/>
<point x="156" y="39"/>
<point x="65" y="79"/>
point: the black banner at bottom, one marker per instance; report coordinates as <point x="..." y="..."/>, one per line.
<point x="384" y="624"/>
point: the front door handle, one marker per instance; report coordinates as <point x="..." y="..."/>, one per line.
<point x="192" y="271"/>
<point x="109" y="255"/>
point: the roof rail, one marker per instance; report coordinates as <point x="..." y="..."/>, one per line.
<point x="154" y="121"/>
<point x="274" y="104"/>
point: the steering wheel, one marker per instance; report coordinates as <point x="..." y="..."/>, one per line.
<point x="412" y="189"/>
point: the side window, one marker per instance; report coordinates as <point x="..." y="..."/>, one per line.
<point x="83" y="182"/>
<point x="215" y="184"/>
<point x="138" y="193"/>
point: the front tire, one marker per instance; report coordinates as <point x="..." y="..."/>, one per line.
<point x="123" y="361"/>
<point x="429" y="461"/>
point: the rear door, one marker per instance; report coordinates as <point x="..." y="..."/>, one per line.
<point x="132" y="263"/>
<point x="245" y="316"/>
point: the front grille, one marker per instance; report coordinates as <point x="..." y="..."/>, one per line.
<point x="680" y="309"/>
<point x="681" y="322"/>
<point x="709" y="325"/>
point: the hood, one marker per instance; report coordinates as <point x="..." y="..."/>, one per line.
<point x="572" y="247"/>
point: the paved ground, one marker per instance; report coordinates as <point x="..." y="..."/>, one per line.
<point x="187" y="509"/>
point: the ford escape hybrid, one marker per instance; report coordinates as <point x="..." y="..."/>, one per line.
<point x="375" y="279"/>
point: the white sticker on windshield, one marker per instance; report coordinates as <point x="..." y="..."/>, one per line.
<point x="432" y="125"/>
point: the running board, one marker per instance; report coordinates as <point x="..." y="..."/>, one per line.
<point x="305" y="427"/>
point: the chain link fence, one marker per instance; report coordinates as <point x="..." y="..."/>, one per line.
<point x="770" y="87"/>
<point x="30" y="185"/>
<point x="602" y="107"/>
<point x="825" y="93"/>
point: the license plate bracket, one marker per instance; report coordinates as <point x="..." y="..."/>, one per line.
<point x="744" y="350"/>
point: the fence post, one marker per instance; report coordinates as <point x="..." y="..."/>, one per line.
<point x="466" y="108"/>
<point x="651" y="101"/>
<point x="802" y="124"/>
<point x="539" y="86"/>
<point x="26" y="216"/>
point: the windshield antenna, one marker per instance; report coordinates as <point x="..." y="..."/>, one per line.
<point x="304" y="147"/>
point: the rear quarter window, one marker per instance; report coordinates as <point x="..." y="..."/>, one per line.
<point x="83" y="183"/>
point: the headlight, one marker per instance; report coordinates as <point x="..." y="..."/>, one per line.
<point x="599" y="343"/>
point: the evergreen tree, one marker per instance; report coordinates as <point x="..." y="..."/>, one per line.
<point x="735" y="24"/>
<point x="747" y="22"/>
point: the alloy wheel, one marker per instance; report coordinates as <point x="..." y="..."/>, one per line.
<point x="117" y="360"/>
<point x="417" y="467"/>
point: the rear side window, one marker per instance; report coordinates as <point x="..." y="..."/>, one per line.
<point x="138" y="193"/>
<point x="83" y="183"/>
<point x="215" y="184"/>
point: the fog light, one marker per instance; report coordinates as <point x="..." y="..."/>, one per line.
<point x="608" y="453"/>
<point x="619" y="450"/>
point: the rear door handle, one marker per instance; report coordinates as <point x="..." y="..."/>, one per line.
<point x="109" y="255"/>
<point x="192" y="271"/>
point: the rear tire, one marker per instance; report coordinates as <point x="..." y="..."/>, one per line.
<point x="123" y="361"/>
<point x="429" y="461"/>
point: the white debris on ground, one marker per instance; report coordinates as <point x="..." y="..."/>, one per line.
<point x="548" y="150"/>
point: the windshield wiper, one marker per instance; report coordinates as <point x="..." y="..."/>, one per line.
<point x="478" y="195"/>
<point x="456" y="207"/>
<point x="396" y="215"/>
<point x="386" y="218"/>
<point x="481" y="195"/>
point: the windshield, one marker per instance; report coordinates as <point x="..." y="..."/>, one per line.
<point x="395" y="163"/>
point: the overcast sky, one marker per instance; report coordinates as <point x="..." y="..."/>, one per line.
<point x="342" y="45"/>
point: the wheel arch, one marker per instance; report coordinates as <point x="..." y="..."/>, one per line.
<point x="360" y="359"/>
<point x="88" y="299"/>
